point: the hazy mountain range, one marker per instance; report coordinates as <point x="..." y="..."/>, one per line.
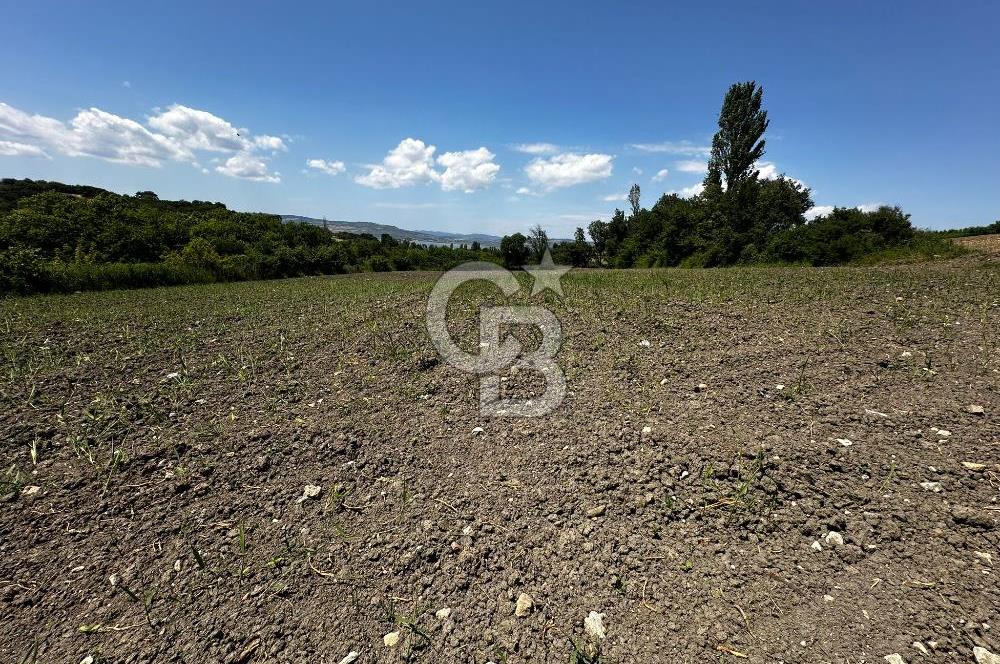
<point x="421" y="237"/>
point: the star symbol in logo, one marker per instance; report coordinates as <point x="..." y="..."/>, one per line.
<point x="547" y="275"/>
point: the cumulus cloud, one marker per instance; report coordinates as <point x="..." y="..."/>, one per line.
<point x="14" y="149"/>
<point x="92" y="133"/>
<point x="688" y="192"/>
<point x="173" y="135"/>
<point x="468" y="170"/>
<point x="248" y="166"/>
<point x="823" y="210"/>
<point x="661" y="175"/>
<point x="328" y="167"/>
<point x="568" y="169"/>
<point x="409" y="163"/>
<point x="691" y="166"/>
<point x="199" y="130"/>
<point x="818" y="211"/>
<point x="273" y="143"/>
<point x="670" y="147"/>
<point x="535" y="148"/>
<point x="412" y="162"/>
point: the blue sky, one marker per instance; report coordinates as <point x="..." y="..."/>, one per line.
<point x="537" y="112"/>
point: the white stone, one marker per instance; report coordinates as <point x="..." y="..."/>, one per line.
<point x="984" y="656"/>
<point x="351" y="656"/>
<point x="647" y="430"/>
<point x="593" y="624"/>
<point x="894" y="658"/>
<point x="391" y="639"/>
<point x="442" y="614"/>
<point x="644" y="343"/>
<point x="477" y="430"/>
<point x="931" y="486"/>
<point x="310" y="491"/>
<point x="845" y="442"/>
<point x="833" y="538"/>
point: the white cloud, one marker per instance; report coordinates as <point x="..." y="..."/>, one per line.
<point x="199" y="130"/>
<point x="767" y="170"/>
<point x="412" y="162"/>
<point x="328" y="167"/>
<point x="818" y="211"/>
<point x="670" y="147"/>
<point x="661" y="175"/>
<point x="273" y="143"/>
<point x="691" y="166"/>
<point x="248" y="166"/>
<point x="612" y="198"/>
<point x="126" y="84"/>
<point x="524" y="191"/>
<point x="92" y="133"/>
<point x="568" y="169"/>
<point x="823" y="210"/>
<point x="468" y="170"/>
<point x="409" y="163"/>
<point x="535" y="148"/>
<point x="179" y="132"/>
<point x="13" y="149"/>
<point x="637" y="170"/>
<point x="688" y="192"/>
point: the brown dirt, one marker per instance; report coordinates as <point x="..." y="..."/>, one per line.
<point x="171" y="433"/>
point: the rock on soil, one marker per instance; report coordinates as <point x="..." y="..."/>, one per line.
<point x="524" y="605"/>
<point x="593" y="625"/>
<point x="984" y="656"/>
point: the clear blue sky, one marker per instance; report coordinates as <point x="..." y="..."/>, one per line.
<point x="870" y="102"/>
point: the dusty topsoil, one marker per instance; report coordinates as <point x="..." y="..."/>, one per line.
<point x="800" y="466"/>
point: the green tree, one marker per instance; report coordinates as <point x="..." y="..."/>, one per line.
<point x="739" y="143"/>
<point x="538" y="242"/>
<point x="633" y="199"/>
<point x="514" y="250"/>
<point x="599" y="236"/>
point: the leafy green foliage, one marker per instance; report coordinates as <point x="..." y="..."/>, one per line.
<point x="514" y="250"/>
<point x="58" y="239"/>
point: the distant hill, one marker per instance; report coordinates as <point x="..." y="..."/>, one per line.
<point x="421" y="237"/>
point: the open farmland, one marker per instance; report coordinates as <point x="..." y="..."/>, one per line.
<point x="790" y="470"/>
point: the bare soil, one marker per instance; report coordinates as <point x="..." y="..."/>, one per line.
<point x="156" y="446"/>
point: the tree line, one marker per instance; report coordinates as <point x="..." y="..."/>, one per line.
<point x="738" y="218"/>
<point x="56" y="237"/>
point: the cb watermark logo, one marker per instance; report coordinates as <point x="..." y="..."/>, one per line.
<point x="497" y="356"/>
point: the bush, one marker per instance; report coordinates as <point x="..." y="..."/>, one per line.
<point x="22" y="270"/>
